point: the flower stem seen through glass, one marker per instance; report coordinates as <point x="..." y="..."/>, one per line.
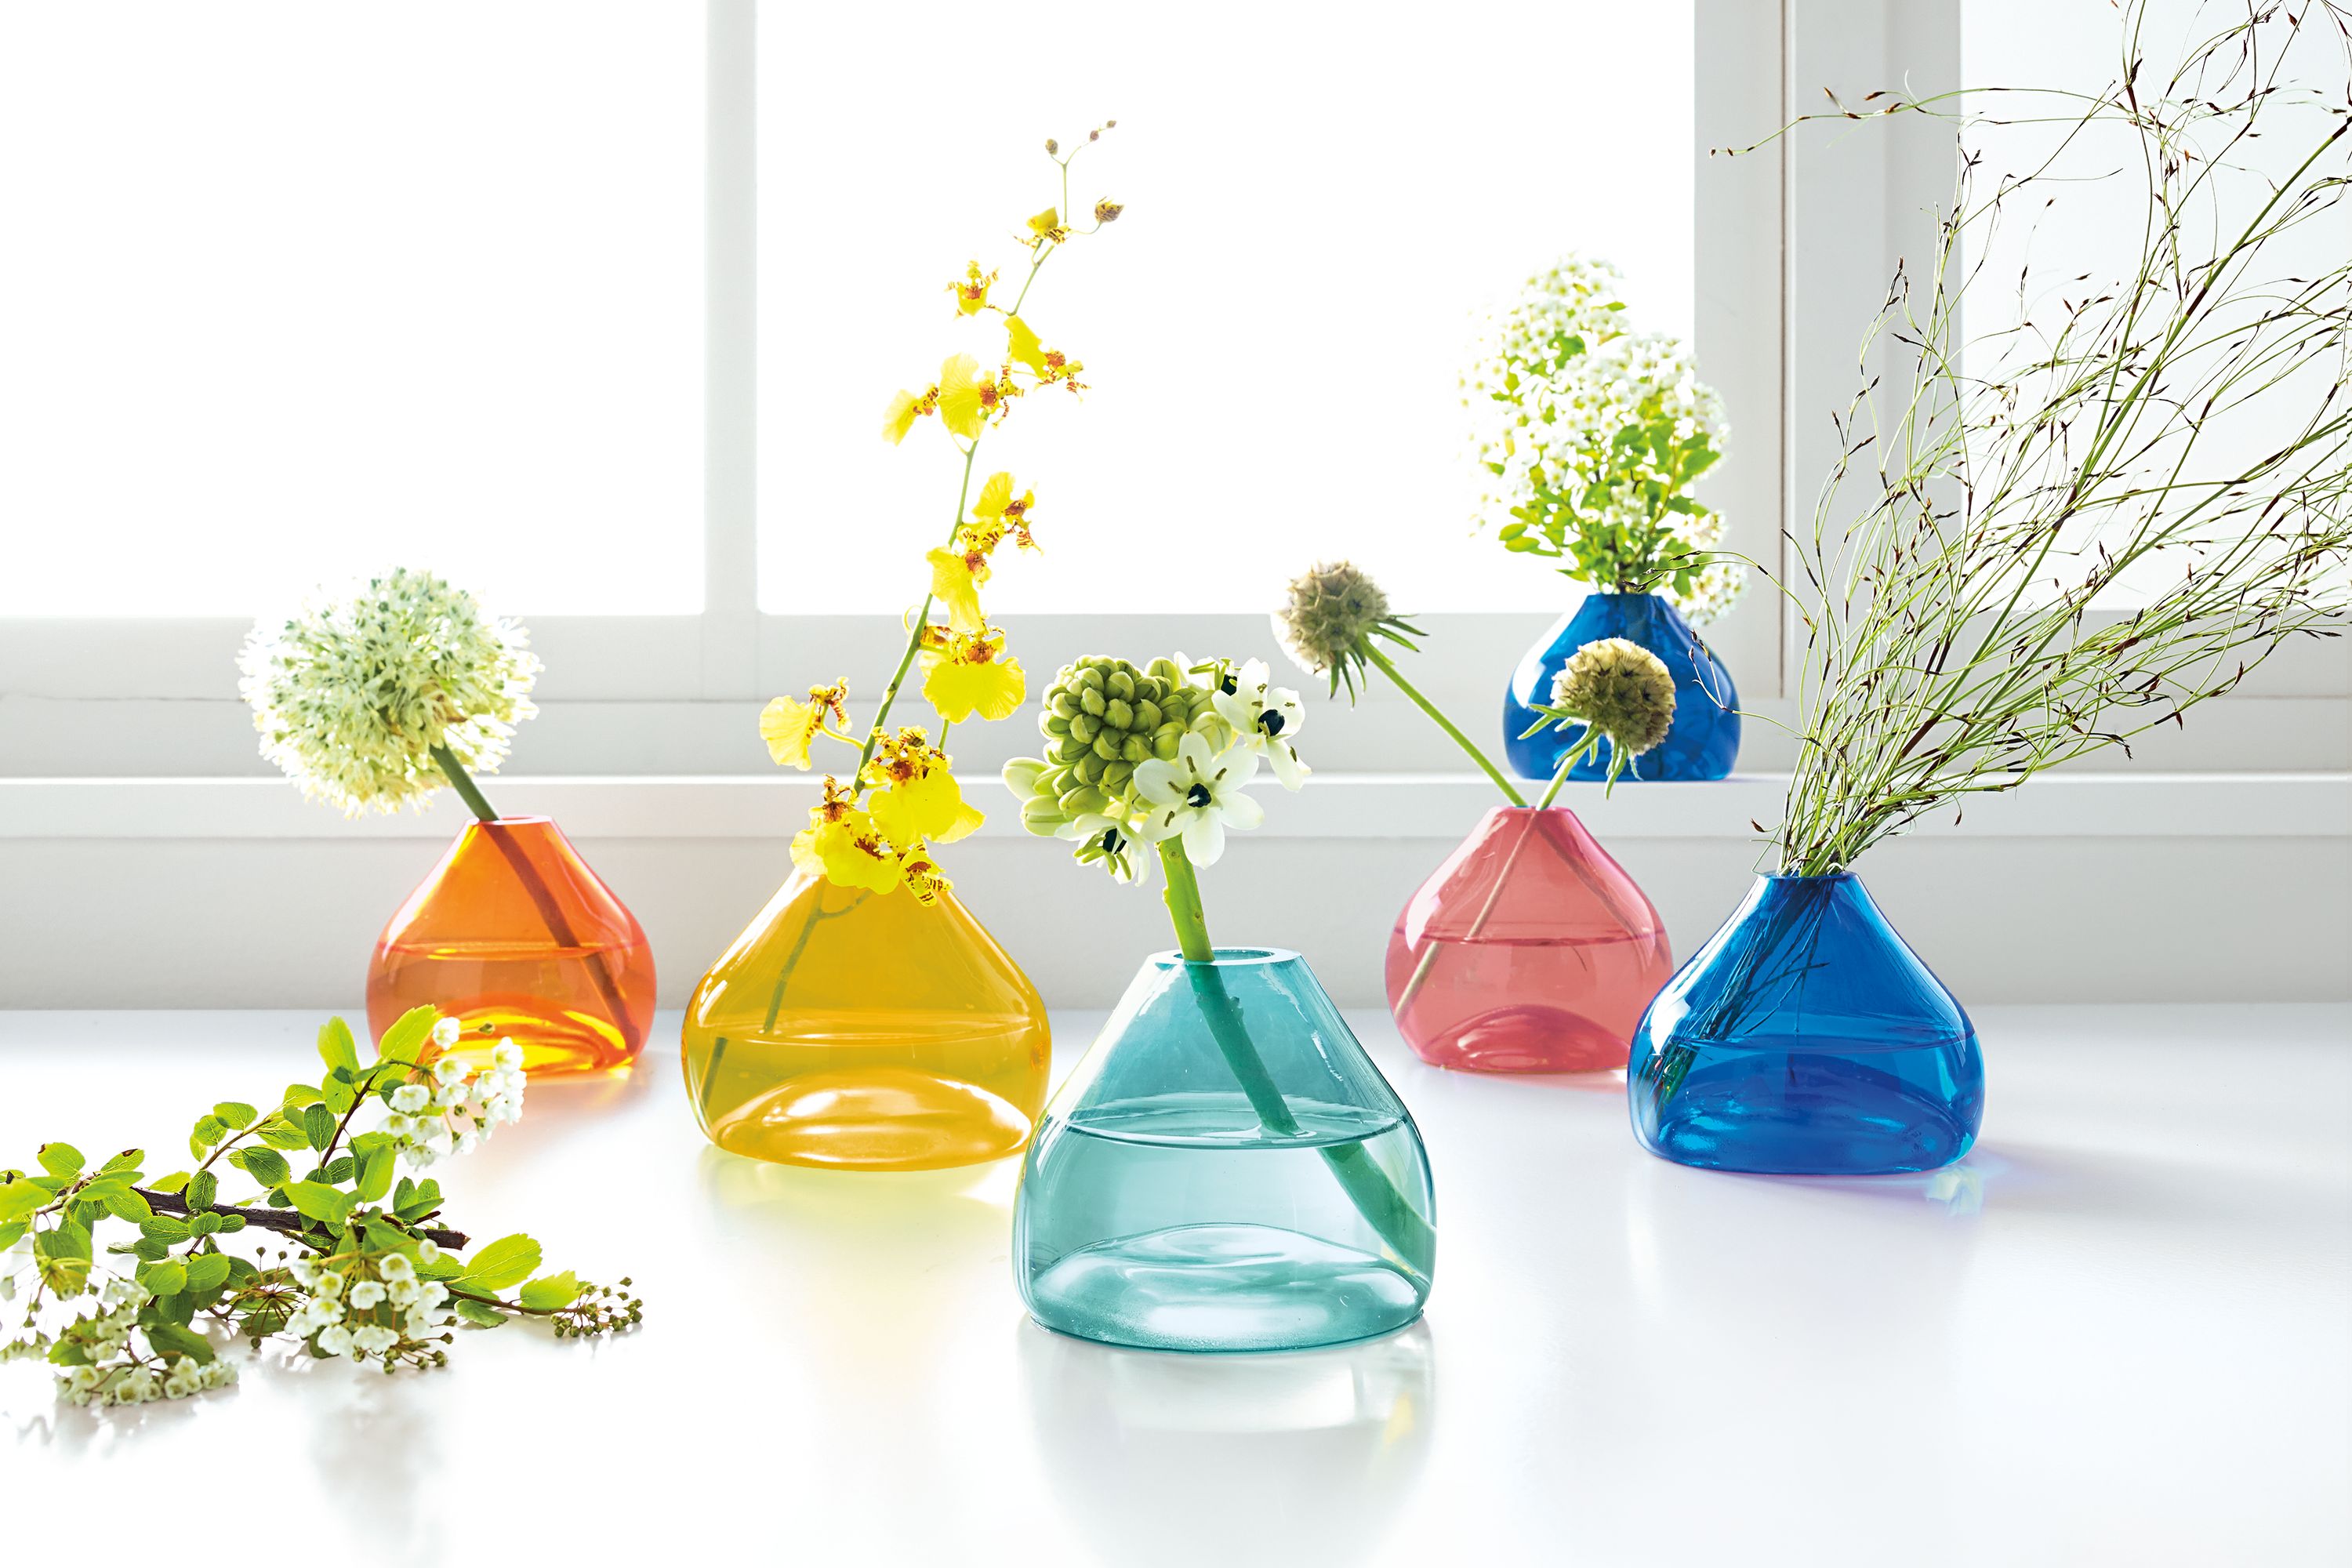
<point x="1367" y="1186"/>
<point x="542" y="898"/>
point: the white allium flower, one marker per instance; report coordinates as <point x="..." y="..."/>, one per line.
<point x="445" y="1032"/>
<point x="395" y="1267"/>
<point x="507" y="1056"/>
<point x="411" y="1098"/>
<point x="330" y="1283"/>
<point x="185" y="1378"/>
<point x="365" y="1294"/>
<point x="405" y="1292"/>
<point x="448" y="1070"/>
<point x="335" y="1341"/>
<point x="431" y="1294"/>
<point x="1199" y="796"/>
<point x="427" y="1250"/>
<point x="305" y="1271"/>
<point x="1265" y="717"/>
<point x="351" y="694"/>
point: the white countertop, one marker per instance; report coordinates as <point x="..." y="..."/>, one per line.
<point x="2121" y="1332"/>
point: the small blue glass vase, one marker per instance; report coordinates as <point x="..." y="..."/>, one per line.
<point x="1226" y="1171"/>
<point x="1704" y="740"/>
<point x="1806" y="1039"/>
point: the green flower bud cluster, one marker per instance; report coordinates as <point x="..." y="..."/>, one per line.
<point x="1102" y="717"/>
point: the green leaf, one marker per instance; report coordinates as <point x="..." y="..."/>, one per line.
<point x="164" y="1227"/>
<point x="18" y="1199"/>
<point x="126" y="1164"/>
<point x="549" y="1291"/>
<point x="65" y="1352"/>
<point x="375" y="1173"/>
<point x="172" y="1340"/>
<point x="406" y="1037"/>
<point x="316" y="1201"/>
<point x="128" y="1204"/>
<point x="11" y="1234"/>
<point x="208" y="1271"/>
<point x="499" y="1264"/>
<point x="337" y="1171"/>
<point x="177" y="1182"/>
<point x="318" y="1126"/>
<point x="60" y="1159"/>
<point x="263" y="1165"/>
<point x="299" y="1095"/>
<point x="203" y="1188"/>
<point x="282" y="1131"/>
<point x="168" y="1278"/>
<point x="480" y="1313"/>
<point x="335" y="1046"/>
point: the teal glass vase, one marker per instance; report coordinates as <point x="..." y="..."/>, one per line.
<point x="1226" y="1171"/>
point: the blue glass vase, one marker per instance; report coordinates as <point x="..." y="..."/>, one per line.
<point x="1705" y="740"/>
<point x="1806" y="1039"/>
<point x="1226" y="1171"/>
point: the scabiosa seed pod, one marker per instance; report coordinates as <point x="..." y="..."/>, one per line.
<point x="1621" y="690"/>
<point x="1331" y="612"/>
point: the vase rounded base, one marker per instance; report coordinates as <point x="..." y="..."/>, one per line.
<point x="1812" y="1114"/>
<point x="1522" y="1039"/>
<point x="876" y="1119"/>
<point x="1222" y="1288"/>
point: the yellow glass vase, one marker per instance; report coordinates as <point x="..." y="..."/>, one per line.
<point x="866" y="1031"/>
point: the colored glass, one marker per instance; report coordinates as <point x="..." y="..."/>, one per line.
<point x="866" y="1031"/>
<point x="516" y="938"/>
<point x="1806" y="1039"/>
<point x="1226" y="1171"/>
<point x="1704" y="739"/>
<point x="1530" y="950"/>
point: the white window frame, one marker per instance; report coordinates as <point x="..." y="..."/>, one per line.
<point x="1793" y="245"/>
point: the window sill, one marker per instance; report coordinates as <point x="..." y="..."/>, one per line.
<point x="1338" y="806"/>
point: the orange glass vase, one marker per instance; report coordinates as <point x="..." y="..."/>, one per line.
<point x="516" y="938"/>
<point x="866" y="1031"/>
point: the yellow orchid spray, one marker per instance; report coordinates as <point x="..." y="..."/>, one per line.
<point x="876" y="831"/>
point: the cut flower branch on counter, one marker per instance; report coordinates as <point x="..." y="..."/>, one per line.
<point x="356" y="1264"/>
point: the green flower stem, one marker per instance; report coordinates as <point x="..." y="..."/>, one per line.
<point x="463" y="783"/>
<point x="1568" y="760"/>
<point x="1367" y="1186"/>
<point x="1387" y="667"/>
<point x="551" y="913"/>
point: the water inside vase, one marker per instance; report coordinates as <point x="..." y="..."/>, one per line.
<point x="1178" y="1224"/>
<point x="543" y="997"/>
<point x="870" y="1089"/>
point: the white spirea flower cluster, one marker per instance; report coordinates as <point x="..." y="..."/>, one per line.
<point x="122" y="1368"/>
<point x="459" y="1107"/>
<point x="369" y="1305"/>
<point x="351" y="694"/>
<point x="1548" y="416"/>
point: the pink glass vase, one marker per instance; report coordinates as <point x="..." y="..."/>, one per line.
<point x="1529" y="950"/>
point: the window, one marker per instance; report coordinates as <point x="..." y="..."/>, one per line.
<point x="296" y="290"/>
<point x="2083" y="235"/>
<point x="1274" y="327"/>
